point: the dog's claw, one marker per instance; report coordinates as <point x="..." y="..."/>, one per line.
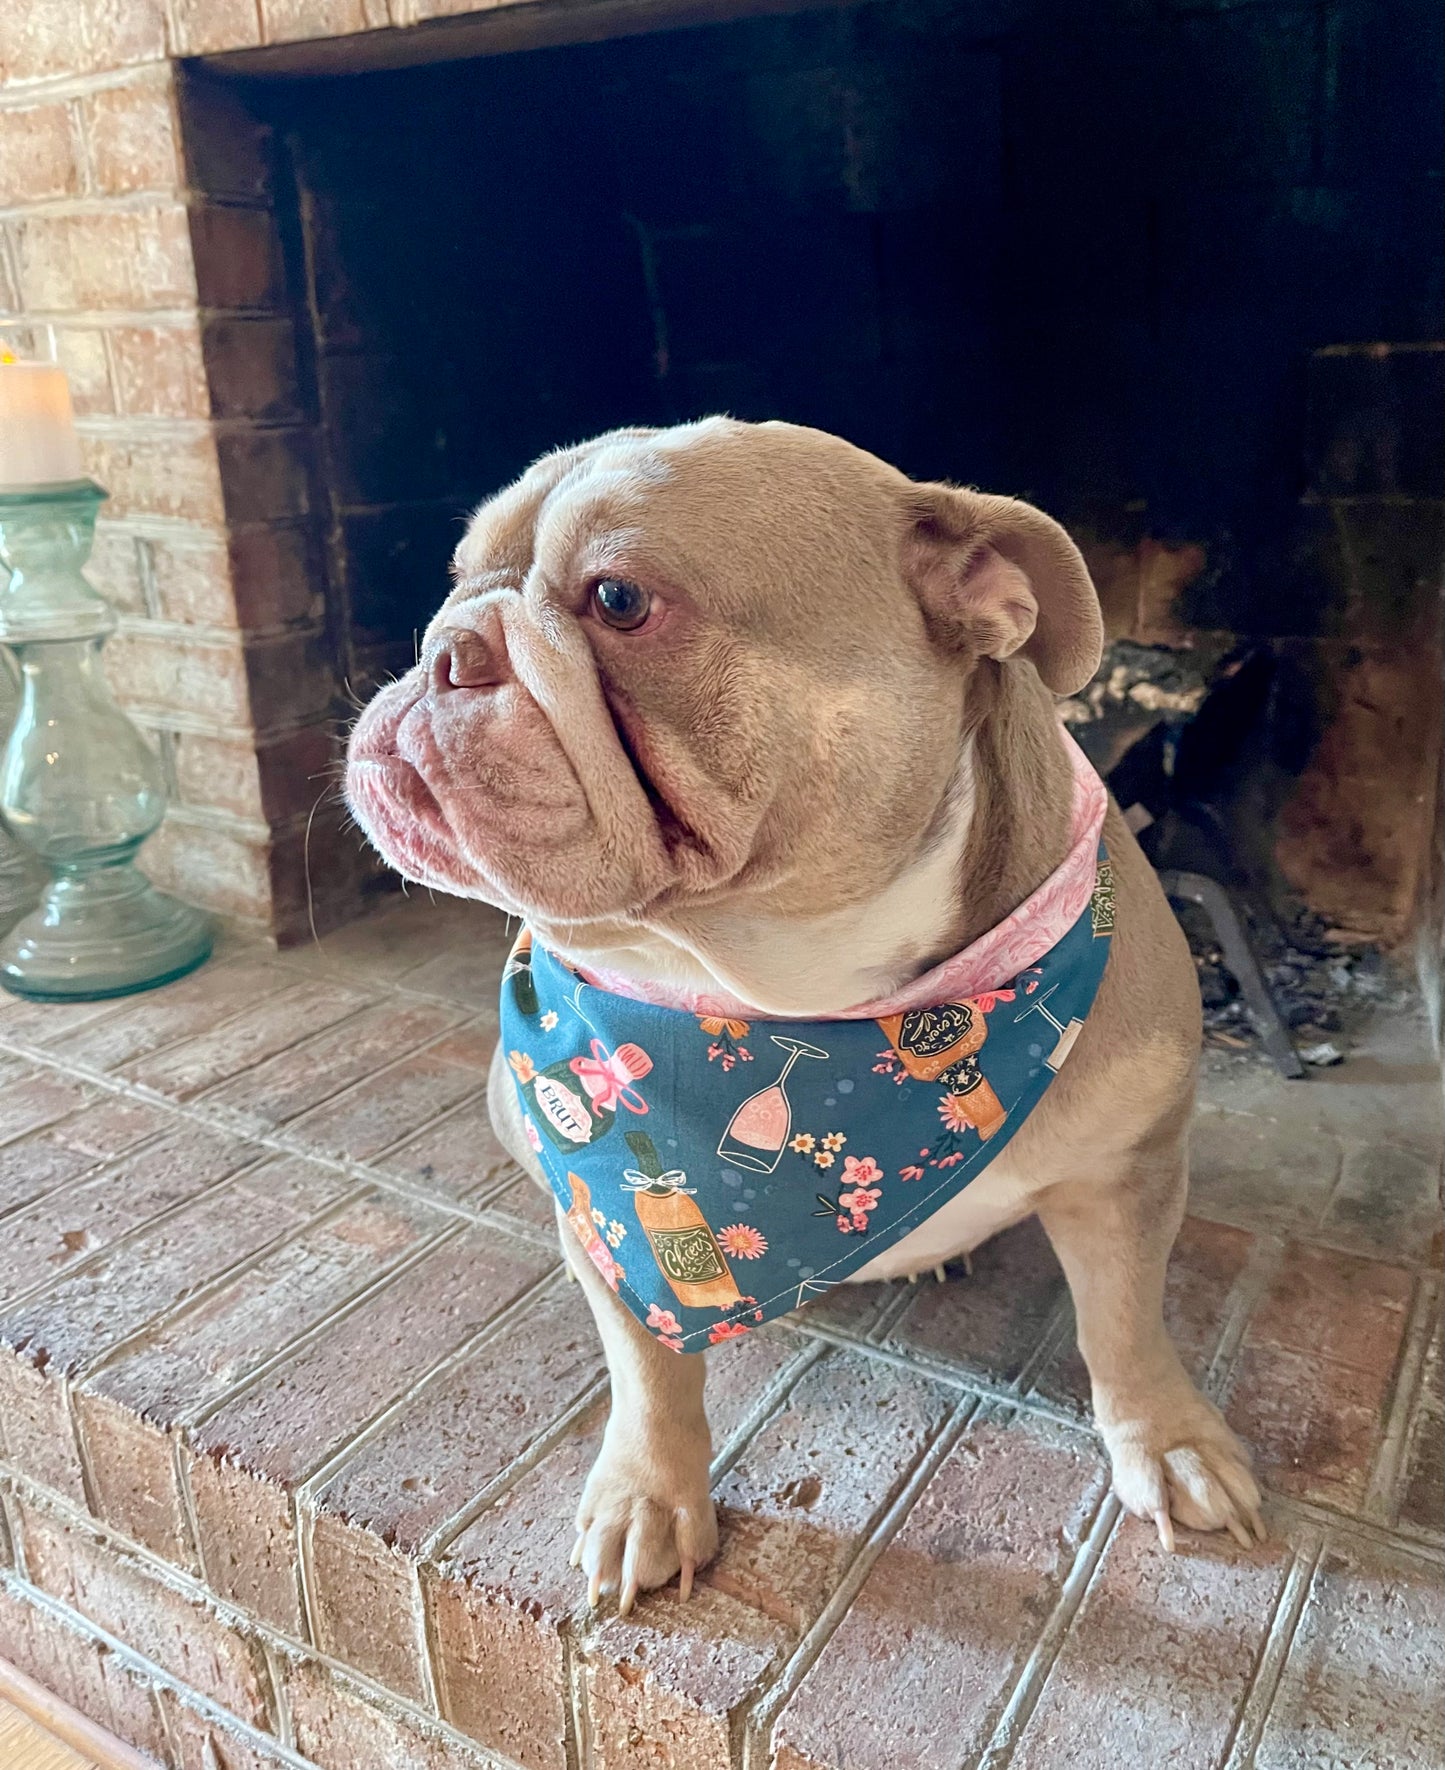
<point x="1257" y="1525"/>
<point x="940" y="1274"/>
<point x="1238" y="1532"/>
<point x="967" y="1260"/>
<point x="1165" y="1526"/>
<point x="575" y="1558"/>
<point x="684" y="1581"/>
<point x="594" y="1589"/>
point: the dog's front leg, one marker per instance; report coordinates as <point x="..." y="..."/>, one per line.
<point x="1171" y="1452"/>
<point x="646" y="1510"/>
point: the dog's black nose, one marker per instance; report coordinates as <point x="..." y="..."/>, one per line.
<point x="465" y="658"/>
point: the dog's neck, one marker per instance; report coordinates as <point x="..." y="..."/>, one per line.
<point x="999" y="830"/>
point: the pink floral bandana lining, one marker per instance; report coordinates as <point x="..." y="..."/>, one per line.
<point x="1020" y="940"/>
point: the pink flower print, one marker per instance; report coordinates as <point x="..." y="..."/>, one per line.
<point x="663" y="1320"/>
<point x="603" y="1261"/>
<point x="672" y="1343"/>
<point x="953" y="1110"/>
<point x="845" y="1224"/>
<point x="743" y="1241"/>
<point x="861" y="1199"/>
<point x="860" y="1170"/>
<point x="534" y="1136"/>
<point x="910" y="1173"/>
<point x="860" y="1223"/>
<point x="725" y="1330"/>
<point x="728" y="1036"/>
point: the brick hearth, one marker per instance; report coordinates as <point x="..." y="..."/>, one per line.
<point x="296" y="1404"/>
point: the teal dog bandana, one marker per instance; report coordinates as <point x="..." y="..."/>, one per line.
<point x="720" y="1172"/>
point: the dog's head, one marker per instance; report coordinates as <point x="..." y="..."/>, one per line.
<point x="723" y="662"/>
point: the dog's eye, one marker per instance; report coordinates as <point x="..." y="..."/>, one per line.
<point x="621" y="604"/>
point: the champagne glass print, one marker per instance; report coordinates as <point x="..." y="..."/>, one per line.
<point x="1067" y="1034"/>
<point x="759" y="1129"/>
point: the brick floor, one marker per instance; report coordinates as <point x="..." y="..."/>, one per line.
<point x="295" y="1406"/>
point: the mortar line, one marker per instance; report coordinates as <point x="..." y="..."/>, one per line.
<point x="185" y="1585"/>
<point x="431" y="1646"/>
<point x="358" y="1084"/>
<point x="181" y="1476"/>
<point x="88" y="1483"/>
<point x="891" y="1312"/>
<point x="1058" y="1333"/>
<point x="437" y="1540"/>
<point x="55" y="88"/>
<point x="207" y="1096"/>
<point x="1360" y="1531"/>
<point x="1023" y="1698"/>
<point x="955" y="1377"/>
<point x="299" y="1341"/>
<point x="1379" y="1502"/>
<point x="149" y="1672"/>
<point x="271" y="999"/>
<point x="308" y="1598"/>
<point x="774" y="1392"/>
<point x="577" y="1716"/>
<point x="123" y="1005"/>
<point x="759" y="1720"/>
<point x="1245" y="1296"/>
<point x="98" y="1164"/>
<point x="89" y="1262"/>
<point x="278" y="1143"/>
<point x="96" y="1170"/>
<point x="168" y="1316"/>
<point x="38" y="1129"/>
<point x="331" y="1467"/>
<point x="15" y="1526"/>
<point x="1253" y="1709"/>
<point x="417" y="1595"/>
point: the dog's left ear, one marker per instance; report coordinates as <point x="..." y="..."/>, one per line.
<point x="999" y="577"/>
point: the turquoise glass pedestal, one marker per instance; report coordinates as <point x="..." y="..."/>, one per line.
<point x="79" y="787"/>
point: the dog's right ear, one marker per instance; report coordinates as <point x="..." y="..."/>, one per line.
<point x="999" y="578"/>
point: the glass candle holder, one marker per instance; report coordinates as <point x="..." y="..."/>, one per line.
<point x="79" y="787"/>
<point x="21" y="875"/>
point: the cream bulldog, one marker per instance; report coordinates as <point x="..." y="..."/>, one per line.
<point x="679" y="673"/>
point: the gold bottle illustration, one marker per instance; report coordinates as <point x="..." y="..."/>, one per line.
<point x="682" y="1242"/>
<point x="941" y="1045"/>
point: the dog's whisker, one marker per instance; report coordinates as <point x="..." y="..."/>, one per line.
<point x="306" y="868"/>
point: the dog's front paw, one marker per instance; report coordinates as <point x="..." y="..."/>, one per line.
<point x="1181" y="1461"/>
<point x="646" y="1514"/>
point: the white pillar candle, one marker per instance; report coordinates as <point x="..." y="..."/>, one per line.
<point x="38" y="444"/>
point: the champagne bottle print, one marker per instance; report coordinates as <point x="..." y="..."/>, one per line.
<point x="518" y="973"/>
<point x="576" y="1101"/>
<point x="682" y="1242"/>
<point x="579" y="1215"/>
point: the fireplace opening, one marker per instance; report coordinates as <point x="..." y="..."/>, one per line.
<point x="1128" y="263"/>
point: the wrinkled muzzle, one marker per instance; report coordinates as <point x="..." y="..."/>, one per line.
<point x="494" y="770"/>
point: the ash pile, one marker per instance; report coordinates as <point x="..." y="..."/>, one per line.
<point x="1325" y="986"/>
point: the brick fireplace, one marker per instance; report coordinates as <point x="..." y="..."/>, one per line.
<point x="287" y="1471"/>
<point x="324" y="274"/>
